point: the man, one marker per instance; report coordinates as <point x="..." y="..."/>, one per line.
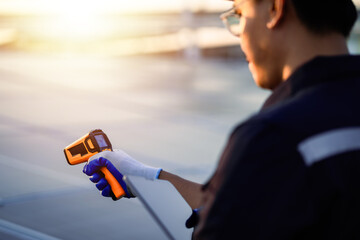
<point x="292" y="171"/>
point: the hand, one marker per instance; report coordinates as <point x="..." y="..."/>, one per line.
<point x="119" y="164"/>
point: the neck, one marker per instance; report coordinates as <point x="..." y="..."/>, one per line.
<point x="304" y="49"/>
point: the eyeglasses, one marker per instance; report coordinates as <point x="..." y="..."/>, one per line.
<point x="231" y="19"/>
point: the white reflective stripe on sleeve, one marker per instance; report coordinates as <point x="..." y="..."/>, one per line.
<point x="328" y="144"/>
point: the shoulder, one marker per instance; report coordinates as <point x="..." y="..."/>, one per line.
<point x="262" y="137"/>
<point x="318" y="108"/>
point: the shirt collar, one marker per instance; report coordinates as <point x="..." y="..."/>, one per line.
<point x="318" y="70"/>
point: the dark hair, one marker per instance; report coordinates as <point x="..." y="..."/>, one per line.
<point x="326" y="16"/>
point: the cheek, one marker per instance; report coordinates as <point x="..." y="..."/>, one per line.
<point x="245" y="37"/>
<point x="249" y="39"/>
<point x="254" y="44"/>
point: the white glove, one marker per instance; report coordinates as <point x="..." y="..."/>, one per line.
<point x="127" y="165"/>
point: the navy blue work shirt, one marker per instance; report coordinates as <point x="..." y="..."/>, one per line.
<point x="292" y="171"/>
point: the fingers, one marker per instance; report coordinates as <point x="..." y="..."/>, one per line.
<point x="94" y="169"/>
<point x="107" y="191"/>
<point x="91" y="168"/>
<point x="94" y="166"/>
<point x="104" y="187"/>
<point x="96" y="177"/>
<point x="102" y="184"/>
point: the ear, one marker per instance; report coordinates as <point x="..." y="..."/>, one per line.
<point x="276" y="13"/>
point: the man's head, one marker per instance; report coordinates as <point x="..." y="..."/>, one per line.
<point x="326" y="16"/>
<point x="278" y="35"/>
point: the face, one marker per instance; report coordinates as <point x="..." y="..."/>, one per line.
<point x="257" y="42"/>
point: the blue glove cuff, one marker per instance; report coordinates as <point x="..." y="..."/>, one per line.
<point x="158" y="173"/>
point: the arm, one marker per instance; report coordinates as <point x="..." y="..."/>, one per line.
<point x="190" y="191"/>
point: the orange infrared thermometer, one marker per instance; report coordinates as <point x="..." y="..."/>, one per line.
<point x="87" y="146"/>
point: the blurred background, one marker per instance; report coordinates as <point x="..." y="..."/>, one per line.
<point x="163" y="79"/>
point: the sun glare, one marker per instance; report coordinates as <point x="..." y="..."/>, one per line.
<point x="78" y="19"/>
<point x="111" y="27"/>
<point x="84" y="19"/>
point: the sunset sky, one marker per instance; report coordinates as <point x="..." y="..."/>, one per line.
<point x="107" y="6"/>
